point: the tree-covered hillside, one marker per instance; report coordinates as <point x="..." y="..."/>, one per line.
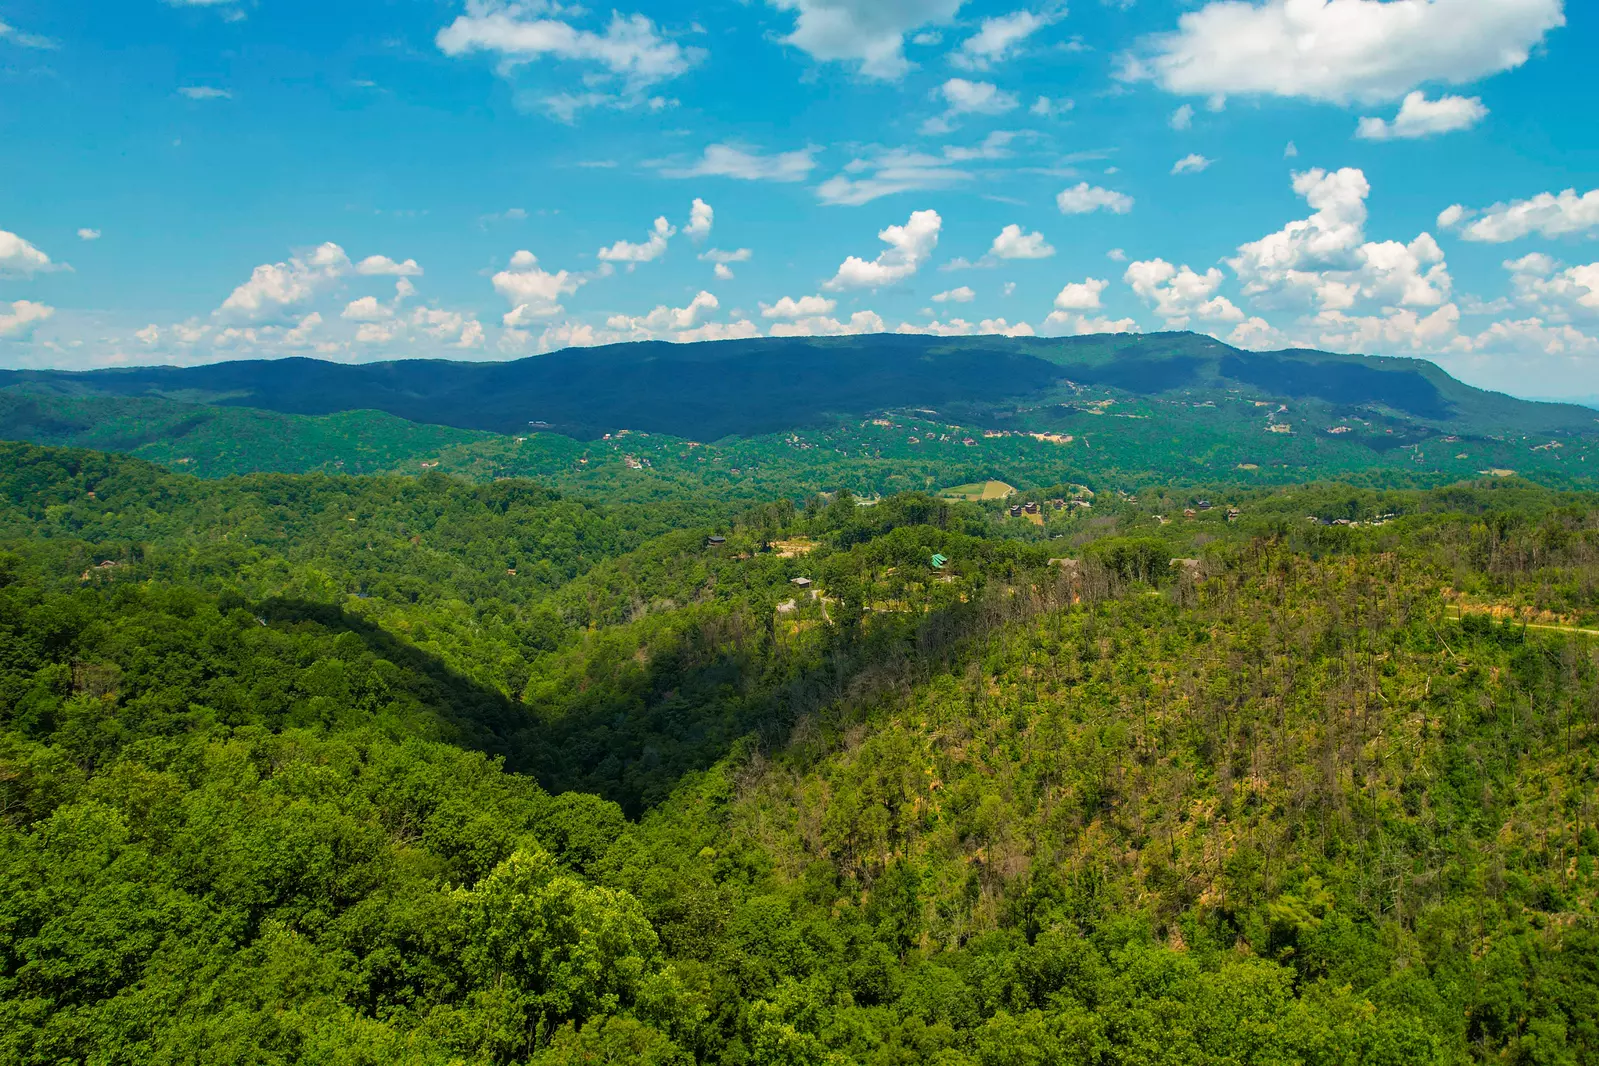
<point x="295" y="769"/>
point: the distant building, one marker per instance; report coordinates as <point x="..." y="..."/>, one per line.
<point x="938" y="561"/>
<point x="715" y="540"/>
<point x="802" y="582"/>
<point x="1030" y="507"/>
<point x="1016" y="510"/>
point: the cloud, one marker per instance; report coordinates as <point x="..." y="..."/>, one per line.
<point x="868" y="32"/>
<point x="1081" y="295"/>
<point x="701" y="217"/>
<point x="1044" y="107"/>
<point x="629" y="49"/>
<point x="1258" y="335"/>
<point x="1534" y="336"/>
<point x="1395" y="329"/>
<point x="730" y="161"/>
<point x="18" y="258"/>
<point x="722" y="272"/>
<point x="1554" y="290"/>
<point x="533" y="292"/>
<point x="996" y="40"/>
<point x="1012" y="243"/>
<point x="276" y="288"/>
<point x="718" y="255"/>
<point x="367" y="309"/>
<point x="1341" y="50"/>
<point x="205" y="92"/>
<point x="1325" y="261"/>
<point x="24" y="40"/>
<point x="452" y="327"/>
<point x="1547" y="214"/>
<point x="804" y="307"/>
<point x="962" y="97"/>
<point x="663" y="319"/>
<point x="1179" y="295"/>
<point x="1192" y="163"/>
<point x="17" y="324"/>
<point x="959" y="327"/>
<point x="1421" y="117"/>
<point x="1182" y="118"/>
<point x="909" y="247"/>
<point x="87" y="234"/>
<point x="1084" y="198"/>
<point x="383" y="266"/>
<point x="900" y="170"/>
<point x="738" y="330"/>
<point x="1066" y="323"/>
<point x="962" y="295"/>
<point x="976" y="97"/>
<point x="822" y="326"/>
<point x="652" y="248"/>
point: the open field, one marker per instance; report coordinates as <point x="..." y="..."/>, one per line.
<point x="978" y="490"/>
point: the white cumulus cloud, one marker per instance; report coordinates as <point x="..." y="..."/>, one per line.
<point x="996" y="39"/>
<point x="1342" y="50"/>
<point x="629" y="50"/>
<point x="1083" y="198"/>
<point x="822" y="326"/>
<point x="18" y="258"/>
<point x="868" y="32"/>
<point x="17" y="322"/>
<point x="1192" y="163"/>
<point x="533" y="291"/>
<point x="1013" y="243"/>
<point x="383" y="266"/>
<point x="274" y="289"/>
<point x="1179" y="294"/>
<point x="700" y="219"/>
<point x="908" y="247"/>
<point x="652" y="248"/>
<point x="962" y="295"/>
<point x="1547" y="215"/>
<point x="1421" y="117"/>
<point x="1080" y="295"/>
<point x="804" y="307"/>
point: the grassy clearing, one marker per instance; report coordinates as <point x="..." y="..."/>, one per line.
<point x="979" y="490"/>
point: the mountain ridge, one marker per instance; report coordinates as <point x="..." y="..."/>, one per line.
<point x="713" y="389"/>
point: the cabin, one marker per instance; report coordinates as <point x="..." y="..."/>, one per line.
<point x="1016" y="510"/>
<point x="715" y="540"/>
<point x="939" y="561"/>
<point x="802" y="582"/>
<point x="1030" y="507"/>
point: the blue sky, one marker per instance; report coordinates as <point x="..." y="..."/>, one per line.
<point x="490" y="179"/>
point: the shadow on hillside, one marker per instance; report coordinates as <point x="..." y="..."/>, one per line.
<point x="470" y="714"/>
<point x="633" y="742"/>
<point x="631" y="735"/>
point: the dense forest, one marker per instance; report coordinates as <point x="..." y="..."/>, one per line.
<point x="392" y="769"/>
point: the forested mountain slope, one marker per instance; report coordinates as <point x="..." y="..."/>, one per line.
<point x="279" y="786"/>
<point x="710" y="390"/>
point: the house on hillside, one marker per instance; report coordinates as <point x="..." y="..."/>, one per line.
<point x="939" y="561"/>
<point x="715" y="540"/>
